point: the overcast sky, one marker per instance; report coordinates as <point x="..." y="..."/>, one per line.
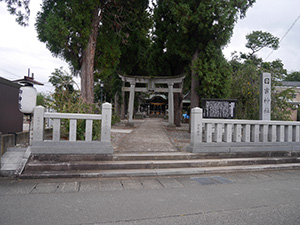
<point x="275" y="17"/>
<point x="20" y="48"/>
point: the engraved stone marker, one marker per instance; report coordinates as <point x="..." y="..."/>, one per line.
<point x="265" y="97"/>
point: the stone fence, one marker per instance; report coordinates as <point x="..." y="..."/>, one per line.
<point x="71" y="146"/>
<point x="227" y="135"/>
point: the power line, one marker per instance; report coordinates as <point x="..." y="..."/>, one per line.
<point x="47" y="84"/>
<point x="13" y="74"/>
<point x="286" y="33"/>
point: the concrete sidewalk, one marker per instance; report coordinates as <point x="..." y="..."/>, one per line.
<point x="149" y="136"/>
<point x="12" y="160"/>
<point x="239" y="198"/>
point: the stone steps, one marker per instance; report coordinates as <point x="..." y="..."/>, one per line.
<point x="156" y="172"/>
<point x="160" y="156"/>
<point x="155" y="164"/>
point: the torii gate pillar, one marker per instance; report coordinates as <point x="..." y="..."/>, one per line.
<point x="171" y="104"/>
<point x="131" y="102"/>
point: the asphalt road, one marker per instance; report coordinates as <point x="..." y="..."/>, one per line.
<point x="240" y="198"/>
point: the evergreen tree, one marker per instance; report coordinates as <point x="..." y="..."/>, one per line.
<point x="195" y="32"/>
<point x="71" y="30"/>
<point x="247" y="68"/>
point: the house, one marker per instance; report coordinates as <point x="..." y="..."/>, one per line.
<point x="11" y="119"/>
<point x="296" y="98"/>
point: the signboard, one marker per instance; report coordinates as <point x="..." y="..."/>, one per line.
<point x="219" y="108"/>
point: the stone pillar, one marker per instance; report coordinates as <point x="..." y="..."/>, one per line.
<point x="131" y="102"/>
<point x="123" y="107"/>
<point x="106" y="122"/>
<point x="38" y="123"/>
<point x="265" y="97"/>
<point x="171" y="104"/>
<point x="196" y="126"/>
<point x="30" y="130"/>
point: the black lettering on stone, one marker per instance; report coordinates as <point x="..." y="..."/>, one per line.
<point x="218" y="108"/>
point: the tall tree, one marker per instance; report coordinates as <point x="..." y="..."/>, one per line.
<point x="196" y="31"/>
<point x="247" y="68"/>
<point x="70" y="30"/>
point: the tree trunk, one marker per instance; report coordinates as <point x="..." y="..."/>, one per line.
<point x="177" y="107"/>
<point x="117" y="105"/>
<point x="195" y="99"/>
<point x="87" y="65"/>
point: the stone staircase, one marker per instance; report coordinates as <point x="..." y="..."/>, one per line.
<point x="156" y="164"/>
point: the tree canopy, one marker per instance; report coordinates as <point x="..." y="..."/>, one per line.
<point x="189" y="35"/>
<point x="19" y="8"/>
<point x="258" y="40"/>
<point x="73" y="29"/>
<point x="293" y="76"/>
<point x="247" y="68"/>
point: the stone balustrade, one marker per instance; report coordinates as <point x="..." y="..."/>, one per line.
<point x="229" y="135"/>
<point x="72" y="146"/>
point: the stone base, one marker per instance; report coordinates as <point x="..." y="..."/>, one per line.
<point x="244" y="147"/>
<point x="172" y="125"/>
<point x="129" y="124"/>
<point x="71" y="147"/>
<point x="139" y="116"/>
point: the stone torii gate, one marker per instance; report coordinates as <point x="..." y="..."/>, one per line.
<point x="149" y="84"/>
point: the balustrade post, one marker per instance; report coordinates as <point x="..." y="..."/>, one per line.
<point x="246" y="133"/>
<point x="280" y="133"/>
<point x="196" y="126"/>
<point x="288" y="133"/>
<point x="228" y="132"/>
<point x="272" y="133"/>
<point x="218" y="132"/>
<point x="296" y="133"/>
<point x="88" y="130"/>
<point x="264" y="133"/>
<point x="208" y="132"/>
<point x="73" y="130"/>
<point x="255" y="133"/>
<point x="38" y="123"/>
<point x="56" y="130"/>
<point x="237" y="136"/>
<point x="106" y="122"/>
